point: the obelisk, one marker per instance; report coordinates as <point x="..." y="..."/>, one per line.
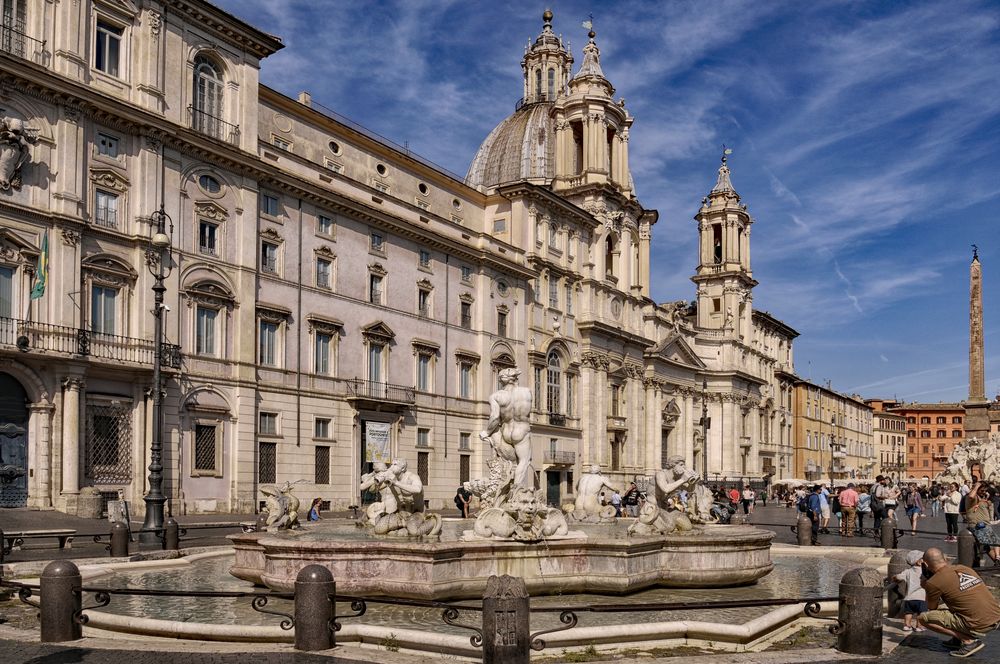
<point x="977" y="418"/>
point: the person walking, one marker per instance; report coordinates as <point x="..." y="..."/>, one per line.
<point x="747" y="500"/>
<point x="864" y="508"/>
<point x="814" y="508"/>
<point x="824" y="497"/>
<point x="616" y="502"/>
<point x="631" y="500"/>
<point x="914" y="595"/>
<point x="914" y="507"/>
<point x="972" y="610"/>
<point x="849" y="509"/>
<point x="952" y="500"/>
<point x="878" y="493"/>
<point x="935" y="499"/>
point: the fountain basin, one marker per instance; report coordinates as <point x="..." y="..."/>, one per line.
<point x="603" y="560"/>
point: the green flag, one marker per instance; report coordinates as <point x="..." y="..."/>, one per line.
<point x="42" y="271"/>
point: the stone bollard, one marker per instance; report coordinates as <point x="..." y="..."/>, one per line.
<point x="3" y="549"/>
<point x="803" y="529"/>
<point x="967" y="548"/>
<point x="860" y="612"/>
<point x="59" y="602"/>
<point x="506" y="626"/>
<point x="314" y="602"/>
<point x="896" y="566"/>
<point x="261" y="522"/>
<point x="887" y="533"/>
<point x="119" y="540"/>
<point x="171" y="534"/>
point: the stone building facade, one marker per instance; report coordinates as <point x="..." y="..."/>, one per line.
<point x="889" y="437"/>
<point x="333" y="299"/>
<point x="932" y="431"/>
<point x="833" y="435"/>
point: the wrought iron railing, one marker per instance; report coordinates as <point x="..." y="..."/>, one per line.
<point x="532" y="99"/>
<point x="17" y="43"/>
<point x="557" y="419"/>
<point x="379" y="391"/>
<point x="561" y="458"/>
<point x="214" y="126"/>
<point x="31" y="336"/>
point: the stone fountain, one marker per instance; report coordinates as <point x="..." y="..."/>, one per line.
<point x="399" y="551"/>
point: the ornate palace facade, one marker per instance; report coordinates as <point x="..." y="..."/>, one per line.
<point x="333" y="299"/>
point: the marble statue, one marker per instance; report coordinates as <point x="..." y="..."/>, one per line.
<point x="15" y="138"/>
<point x="400" y="508"/>
<point x="511" y="508"/>
<point x="282" y="507"/>
<point x="667" y="514"/>
<point x="967" y="455"/>
<point x="587" y="507"/>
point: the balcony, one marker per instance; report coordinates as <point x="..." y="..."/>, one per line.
<point x="17" y="43"/>
<point x="214" y="126"/>
<point x="839" y="454"/>
<point x="616" y="423"/>
<point x="35" y="338"/>
<point x="557" y="419"/>
<point x="378" y="393"/>
<point x="555" y="458"/>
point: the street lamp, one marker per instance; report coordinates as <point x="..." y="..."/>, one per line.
<point x="157" y="261"/>
<point x="833" y="438"/>
<point x="704" y="429"/>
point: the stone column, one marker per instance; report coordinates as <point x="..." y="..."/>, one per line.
<point x="40" y="435"/>
<point x="977" y="419"/>
<point x="71" y="441"/>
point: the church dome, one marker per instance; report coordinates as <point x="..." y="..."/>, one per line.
<point x="522" y="147"/>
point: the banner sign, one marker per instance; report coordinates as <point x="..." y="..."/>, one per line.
<point x="377" y="442"/>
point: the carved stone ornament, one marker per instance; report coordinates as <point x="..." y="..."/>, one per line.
<point x="109" y="271"/>
<point x="109" y="179"/>
<point x="272" y="314"/>
<point x="15" y="138"/>
<point x="211" y="210"/>
<point x="466" y="298"/>
<point x="325" y="325"/>
<point x="210" y="294"/>
<point x="593" y="360"/>
<point x="424" y="284"/>
<point x="325" y="251"/>
<point x="70" y="237"/>
<point x="155" y="23"/>
<point x="378" y="332"/>
<point x="271" y="235"/>
<point x="634" y="370"/>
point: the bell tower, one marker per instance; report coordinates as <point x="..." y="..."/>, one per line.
<point x="724" y="277"/>
<point x="547" y="65"/>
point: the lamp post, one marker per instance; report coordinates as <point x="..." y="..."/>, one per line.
<point x="833" y="444"/>
<point x="157" y="259"/>
<point x="704" y="429"/>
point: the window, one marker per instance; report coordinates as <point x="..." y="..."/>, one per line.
<point x="381" y="169"/>
<point x="106" y="213"/>
<point x="466" y="273"/>
<point x="425" y="258"/>
<point x="553" y="237"/>
<point x="205" y="321"/>
<point x="375" y="353"/>
<point x="925" y="434"/>
<point x="108" y="48"/>
<point x="925" y="420"/>
<point x="570" y="395"/>
<point x="956" y="420"/>
<point x="942" y="433"/>
<point x="107" y="146"/>
<point x="423" y="467"/>
<point x="942" y="420"/>
<point x="209" y="184"/>
<point x="616" y="391"/>
<point x="553" y="384"/>
<point x="103" y="309"/>
<point x="911" y="420"/>
<point x="940" y="449"/>
<point x="552" y="83"/>
<point x="268" y="424"/>
<point x="270" y="205"/>
<point x="109" y="437"/>
<point x="553" y="292"/>
<point x="321" y="427"/>
<point x="321" y="360"/>
<point x="422" y="188"/>
<point x="716" y="305"/>
<point x="322" y="464"/>
<point x="423" y="437"/>
<point x="925" y="463"/>
<point x="280" y="143"/>
<point x="467" y="315"/>
<point x="501" y="324"/>
<point x="323" y="272"/>
<point x="424" y="372"/>
<point x="334" y="147"/>
<point x="375" y="289"/>
<point x="423" y="302"/>
<point x="324" y="225"/>
<point x="6" y="292"/>
<point x="465" y="440"/>
<point x="267" y="463"/>
<point x="207" y="234"/>
<point x="464" y="470"/>
<point x="377" y="242"/>
<point x="465" y="380"/>
<point x="925" y="449"/>
<point x="205" y="448"/>
<point x="268" y="344"/>
<point x="268" y="257"/>
<point x="569" y="299"/>
<point x="956" y="433"/>
<point x="206" y="109"/>
<point x="911" y="448"/>
<point x="911" y="433"/>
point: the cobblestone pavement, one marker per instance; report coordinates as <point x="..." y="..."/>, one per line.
<point x="14" y="652"/>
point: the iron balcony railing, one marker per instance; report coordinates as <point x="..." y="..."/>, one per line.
<point x="214" y="126"/>
<point x="557" y="419"/>
<point x="17" y="43"/>
<point x="560" y="458"/>
<point x="374" y="390"/>
<point x="34" y="337"/>
<point x="532" y="99"/>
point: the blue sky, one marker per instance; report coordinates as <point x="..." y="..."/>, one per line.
<point x="864" y="137"/>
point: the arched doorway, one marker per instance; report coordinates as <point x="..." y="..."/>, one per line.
<point x="13" y="443"/>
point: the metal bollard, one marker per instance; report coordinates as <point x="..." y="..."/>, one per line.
<point x="506" y="621"/>
<point x="967" y="548"/>
<point x="803" y="529"/>
<point x="119" y="540"/>
<point x="896" y="566"/>
<point x="261" y="522"/>
<point x="171" y="534"/>
<point x="887" y="533"/>
<point x="59" y="602"/>
<point x="314" y="597"/>
<point x="859" y="617"/>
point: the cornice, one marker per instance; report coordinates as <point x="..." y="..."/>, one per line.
<point x="226" y="26"/>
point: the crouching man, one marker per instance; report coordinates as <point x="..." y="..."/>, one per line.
<point x="972" y="610"/>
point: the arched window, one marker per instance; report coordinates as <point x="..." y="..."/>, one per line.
<point x="207" y="106"/>
<point x="552" y="84"/>
<point x="538" y="83"/>
<point x="553" y="383"/>
<point x="609" y="256"/>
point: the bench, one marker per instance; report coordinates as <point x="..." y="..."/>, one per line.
<point x="15" y="540"/>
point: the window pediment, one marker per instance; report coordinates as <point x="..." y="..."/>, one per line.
<point x="273" y="313"/>
<point x="271" y="235"/>
<point x="211" y="210"/>
<point x="467" y="298"/>
<point x="15" y="250"/>
<point x="325" y="252"/>
<point x="425" y="284"/>
<point x="463" y="355"/>
<point x="378" y="331"/>
<point x="210" y="293"/>
<point x="377" y="269"/>
<point x="106" y="178"/>
<point x="109" y="270"/>
<point x="425" y="346"/>
<point x="324" y="325"/>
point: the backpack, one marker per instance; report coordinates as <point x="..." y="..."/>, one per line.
<point x="803" y="503"/>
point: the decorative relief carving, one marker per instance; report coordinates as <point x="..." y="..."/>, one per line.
<point x="325" y="251"/>
<point x="377" y="269"/>
<point x="15" y="137"/>
<point x="634" y="370"/>
<point x="155" y="23"/>
<point x="594" y="360"/>
<point x="109" y="179"/>
<point x="272" y="315"/>
<point x="271" y="235"/>
<point x="211" y="210"/>
<point x="70" y="237"/>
